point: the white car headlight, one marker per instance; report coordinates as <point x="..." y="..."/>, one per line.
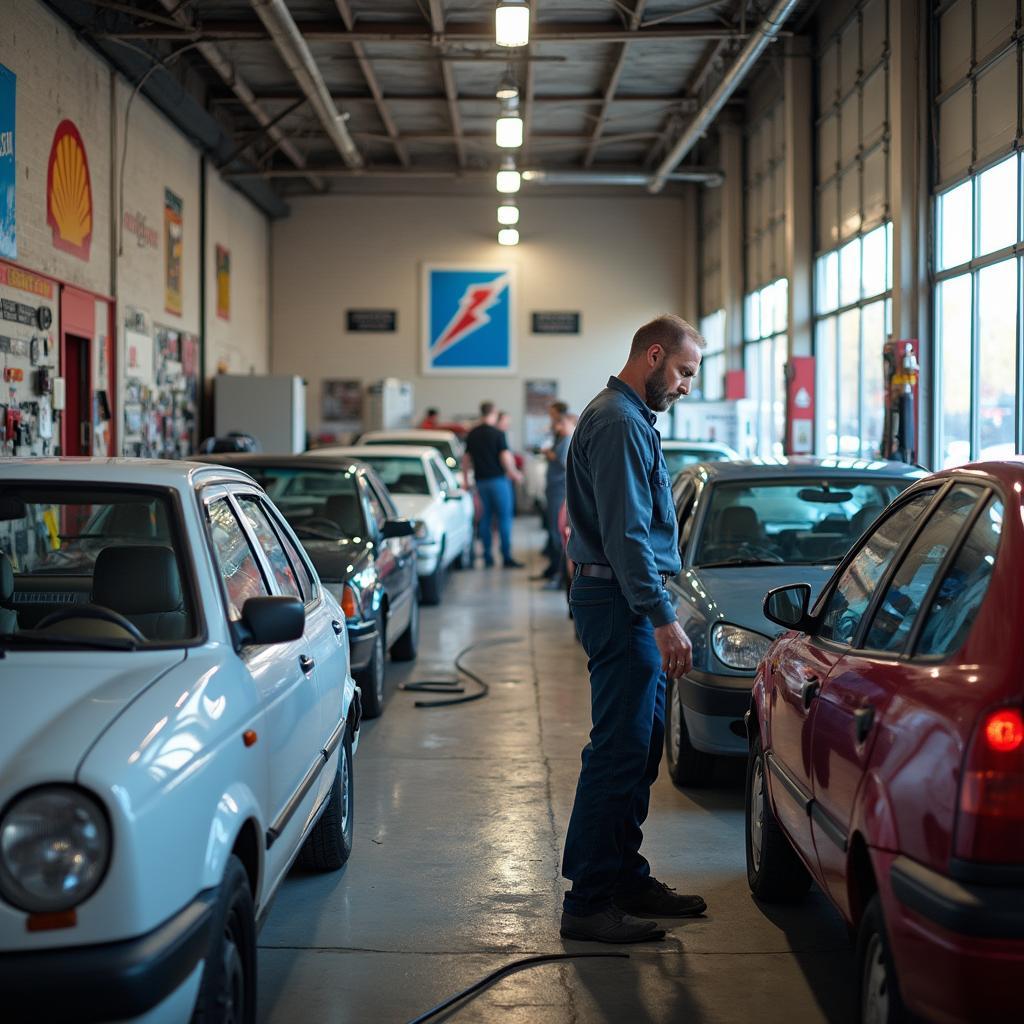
<point x="738" y="648"/>
<point x="54" y="849"/>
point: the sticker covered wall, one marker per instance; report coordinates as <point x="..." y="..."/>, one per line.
<point x="468" y="319"/>
<point x="8" y="221"/>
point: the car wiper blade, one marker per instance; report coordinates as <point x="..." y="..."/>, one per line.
<point x="311" y="532"/>
<point x="737" y="563"/>
<point x="41" y="638"/>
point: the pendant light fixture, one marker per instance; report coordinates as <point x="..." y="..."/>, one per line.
<point x="508" y="213"/>
<point x="508" y="236"/>
<point x="512" y="23"/>
<point x="508" y="178"/>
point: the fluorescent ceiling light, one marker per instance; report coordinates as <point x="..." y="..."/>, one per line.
<point x="512" y="23"/>
<point x="508" y="179"/>
<point x="508" y="90"/>
<point x="508" y="213"/>
<point x="508" y="236"/>
<point x="508" y="132"/>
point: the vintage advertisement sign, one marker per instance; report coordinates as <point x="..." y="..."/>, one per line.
<point x="223" y="282"/>
<point x="26" y="281"/>
<point x="468" y="319"/>
<point x="69" y="192"/>
<point x="8" y="232"/>
<point x="146" y="236"/>
<point x="173" y="246"/>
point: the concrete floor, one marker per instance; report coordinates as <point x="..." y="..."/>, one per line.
<point x="459" y="819"/>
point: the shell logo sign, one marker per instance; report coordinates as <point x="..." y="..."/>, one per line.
<point x="69" y="192"/>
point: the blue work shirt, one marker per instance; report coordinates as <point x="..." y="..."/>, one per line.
<point x="619" y="499"/>
<point x="555" y="483"/>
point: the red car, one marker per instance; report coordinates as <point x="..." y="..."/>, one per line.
<point x="887" y="750"/>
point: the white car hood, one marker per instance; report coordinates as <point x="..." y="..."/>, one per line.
<point x="54" y="705"/>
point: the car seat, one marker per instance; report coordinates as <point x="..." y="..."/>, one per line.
<point x="8" y="616"/>
<point x="862" y="519"/>
<point x="343" y="509"/>
<point x="136" y="519"/>
<point x="142" y="583"/>
<point x="738" y="525"/>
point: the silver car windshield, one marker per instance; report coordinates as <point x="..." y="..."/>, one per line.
<point x="93" y="566"/>
<point x="812" y="521"/>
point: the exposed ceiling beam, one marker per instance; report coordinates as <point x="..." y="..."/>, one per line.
<point x="238" y="85"/>
<point x="371" y="83"/>
<point x="487" y="138"/>
<point x="450" y="88"/>
<point x="613" y="83"/>
<point x="680" y="103"/>
<point x="407" y="32"/>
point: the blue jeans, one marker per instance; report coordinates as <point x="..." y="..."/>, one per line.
<point x="620" y="763"/>
<point x="554" y="499"/>
<point x="497" y="499"/>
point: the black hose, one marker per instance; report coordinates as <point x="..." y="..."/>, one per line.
<point x="517" y="965"/>
<point x="452" y="685"/>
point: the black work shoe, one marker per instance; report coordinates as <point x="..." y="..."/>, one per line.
<point x="610" y="925"/>
<point x="660" y="900"/>
<point x="511" y="563"/>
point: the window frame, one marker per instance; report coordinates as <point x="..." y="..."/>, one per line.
<point x="765" y="342"/>
<point x="248" y="495"/>
<point x="219" y="492"/>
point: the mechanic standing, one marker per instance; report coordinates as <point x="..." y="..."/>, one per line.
<point x="495" y="470"/>
<point x="554" y="497"/>
<point x="624" y="545"/>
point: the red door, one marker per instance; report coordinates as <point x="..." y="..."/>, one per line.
<point x="78" y="327"/>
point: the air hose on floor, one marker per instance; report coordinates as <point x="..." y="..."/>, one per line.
<point x="477" y="987"/>
<point x="449" y="686"/>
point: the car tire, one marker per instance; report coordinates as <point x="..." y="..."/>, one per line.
<point x="228" y="990"/>
<point x="406" y="647"/>
<point x="687" y="766"/>
<point x="432" y="585"/>
<point x="775" y="873"/>
<point x="329" y="845"/>
<point x="371" y="678"/>
<point x="880" y="1001"/>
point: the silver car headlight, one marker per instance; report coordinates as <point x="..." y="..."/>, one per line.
<point x="54" y="849"/>
<point x="738" y="648"/>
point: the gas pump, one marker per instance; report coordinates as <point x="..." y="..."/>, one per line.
<point x="902" y="386"/>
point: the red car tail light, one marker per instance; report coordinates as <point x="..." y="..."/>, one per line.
<point x="990" y="826"/>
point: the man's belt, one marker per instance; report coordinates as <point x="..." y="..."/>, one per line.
<point x="604" y="572"/>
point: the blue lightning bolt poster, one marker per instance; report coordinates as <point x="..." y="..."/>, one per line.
<point x="468" y="321"/>
<point x="8" y="233"/>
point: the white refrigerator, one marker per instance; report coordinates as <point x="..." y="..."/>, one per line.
<point x="271" y="408"/>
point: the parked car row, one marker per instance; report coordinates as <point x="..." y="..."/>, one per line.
<point x="883" y="727"/>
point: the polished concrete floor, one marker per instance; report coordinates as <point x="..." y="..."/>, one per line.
<point x="460" y="816"/>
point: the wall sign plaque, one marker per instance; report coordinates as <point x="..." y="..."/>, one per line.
<point x="556" y="323"/>
<point x="377" y="321"/>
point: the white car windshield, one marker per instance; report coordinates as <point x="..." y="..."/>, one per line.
<point x="444" y="447"/>
<point x="400" y="474"/>
<point x="812" y="521"/>
<point x="94" y="566"/>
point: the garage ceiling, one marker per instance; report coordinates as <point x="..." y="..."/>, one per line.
<point x="605" y="85"/>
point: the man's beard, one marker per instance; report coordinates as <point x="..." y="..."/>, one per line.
<point x="657" y="393"/>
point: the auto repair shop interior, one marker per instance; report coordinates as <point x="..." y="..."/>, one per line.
<point x="322" y="580"/>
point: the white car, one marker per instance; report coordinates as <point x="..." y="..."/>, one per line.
<point x="447" y="442"/>
<point x="681" y="453"/>
<point x="425" y="490"/>
<point x="177" y="724"/>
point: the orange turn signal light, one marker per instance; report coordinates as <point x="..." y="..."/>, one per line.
<point x="51" y="922"/>
<point x="348" y="603"/>
<point x="249" y="737"/>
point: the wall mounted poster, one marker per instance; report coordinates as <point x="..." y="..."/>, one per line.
<point x="173" y="244"/>
<point x="468" y="324"/>
<point x="223" y="283"/>
<point x="69" y="192"/>
<point x="8" y="234"/>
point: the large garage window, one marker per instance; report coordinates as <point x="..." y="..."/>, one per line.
<point x="764" y="360"/>
<point x="711" y="379"/>
<point x="853" y="311"/>
<point x="979" y="240"/>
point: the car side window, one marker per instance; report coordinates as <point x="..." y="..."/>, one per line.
<point x="271" y="545"/>
<point x="684" y="509"/>
<point x="235" y="559"/>
<point x="901" y="604"/>
<point x="439" y="476"/>
<point x="306" y="581"/>
<point x="852" y="594"/>
<point x="964" y="586"/>
<point x="378" y="514"/>
<point x="383" y="497"/>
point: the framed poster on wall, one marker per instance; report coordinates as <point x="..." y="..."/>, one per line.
<point x="468" y="319"/>
<point x="8" y="232"/>
<point x="173" y="244"/>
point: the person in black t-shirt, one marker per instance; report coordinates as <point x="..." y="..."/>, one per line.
<point x="495" y="471"/>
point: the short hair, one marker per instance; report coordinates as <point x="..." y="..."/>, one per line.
<point x="431" y="412"/>
<point x="559" y="407"/>
<point x="486" y="408"/>
<point x="669" y="331"/>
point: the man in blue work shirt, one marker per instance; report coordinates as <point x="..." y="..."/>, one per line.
<point x="624" y="545"/>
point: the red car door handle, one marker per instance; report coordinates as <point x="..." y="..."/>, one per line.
<point x="306" y="663"/>
<point x="809" y="690"/>
<point x="863" y="719"/>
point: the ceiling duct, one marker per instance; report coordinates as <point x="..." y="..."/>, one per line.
<point x="733" y="78"/>
<point x="696" y="176"/>
<point x="294" y="51"/>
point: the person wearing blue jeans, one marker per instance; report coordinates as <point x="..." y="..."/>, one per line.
<point x="624" y="544"/>
<point x="488" y="455"/>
